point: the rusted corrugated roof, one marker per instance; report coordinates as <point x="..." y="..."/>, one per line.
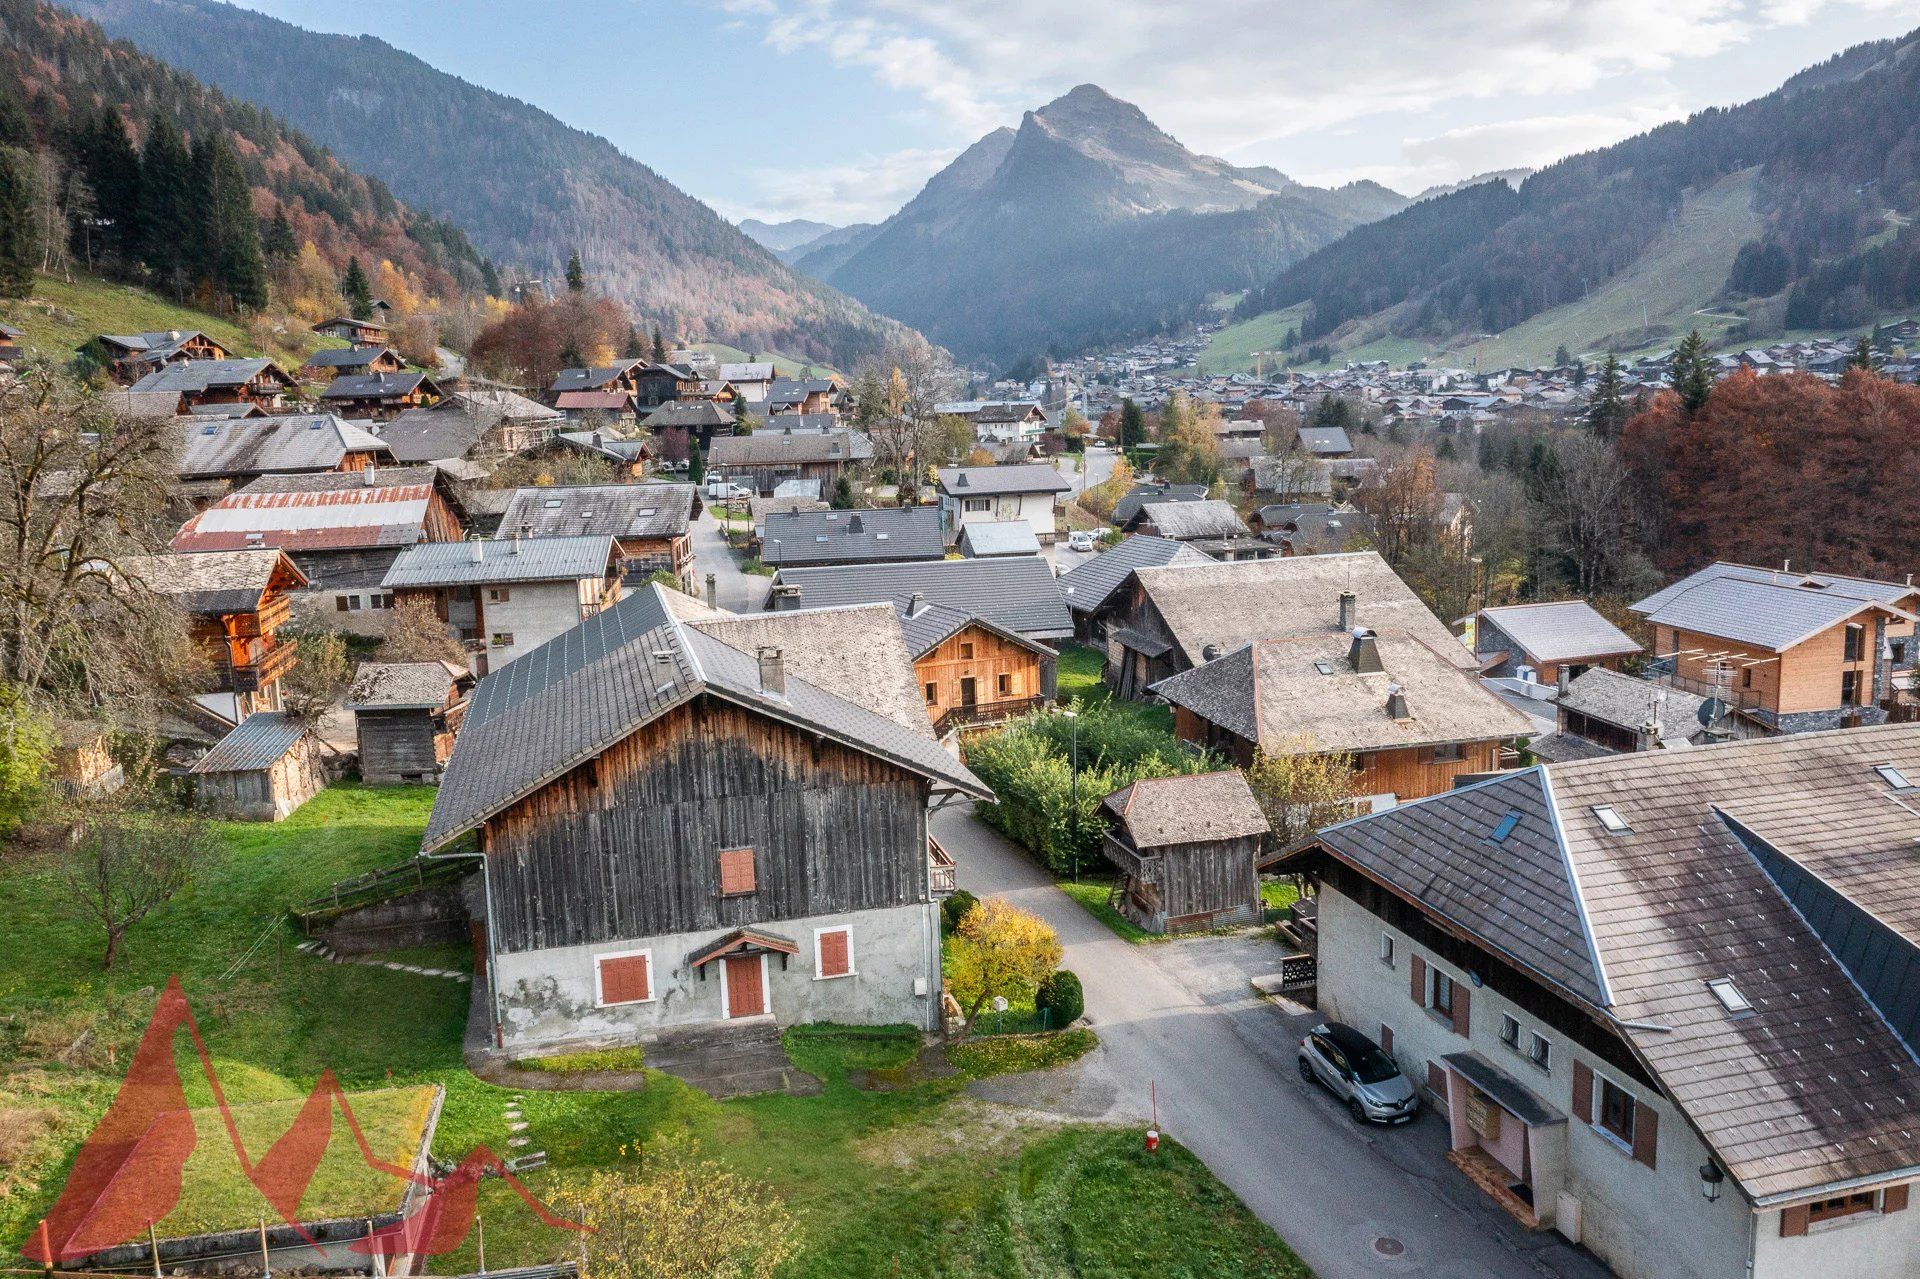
<point x="341" y="519"/>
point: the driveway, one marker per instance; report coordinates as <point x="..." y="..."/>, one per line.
<point x="1180" y="1015"/>
<point x="735" y="591"/>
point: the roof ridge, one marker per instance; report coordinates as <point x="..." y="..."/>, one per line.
<point x="1579" y="893"/>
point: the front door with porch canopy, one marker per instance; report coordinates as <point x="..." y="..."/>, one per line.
<point x="741" y="960"/>
<point x="1506" y="1140"/>
<point x="746" y="987"/>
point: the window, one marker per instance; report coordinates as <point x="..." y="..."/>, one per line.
<point x="1386" y="949"/>
<point x="1505" y="828"/>
<point x="340" y="603"/>
<point x="933" y="693"/>
<point x="1441" y="1000"/>
<point x="1897" y="651"/>
<point x="1003" y="685"/>
<point x="1610" y="818"/>
<point x="353" y="603"/>
<point x="832" y="953"/>
<point x="966" y="650"/>
<point x="1616" y="1111"/>
<point x="502" y="639"/>
<point x="1450" y="754"/>
<point x="1746" y="677"/>
<point x="499" y="594"/>
<point x="1509" y="1031"/>
<point x="1893" y="776"/>
<point x="976" y="504"/>
<point x="736" y="872"/>
<point x="1856" y="642"/>
<point x="1540" y="1051"/>
<point x="1850" y="688"/>
<point x="383" y="600"/>
<point x="624" y="978"/>
<point x="1844" y="1206"/>
<point x="1729" y="995"/>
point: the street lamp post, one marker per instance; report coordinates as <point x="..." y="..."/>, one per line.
<point x="1073" y="807"/>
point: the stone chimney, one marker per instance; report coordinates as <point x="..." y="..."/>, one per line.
<point x="713" y="592"/>
<point x="1347" y="605"/>
<point x="773" y="671"/>
<point x="1649" y="735"/>
<point x="1563" y="678"/>
<point x="1397" y="703"/>
<point x="1364" y="653"/>
<point x="916" y="604"/>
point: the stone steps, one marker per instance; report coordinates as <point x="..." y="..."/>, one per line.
<point x="734" y="1059"/>
<point x="320" y="950"/>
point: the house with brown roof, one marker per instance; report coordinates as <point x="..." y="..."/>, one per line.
<point x="760" y="462"/>
<point x="378" y="394"/>
<point x="242" y="449"/>
<point x="348" y="329"/>
<point x="236" y="602"/>
<point x="1187" y="849"/>
<point x="972" y="671"/>
<point x="1793" y="652"/>
<point x="1664" y="1000"/>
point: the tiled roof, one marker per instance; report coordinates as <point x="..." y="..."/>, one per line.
<point x="189" y="376"/>
<point x="848" y="537"/>
<point x="592" y="379"/>
<point x="1127" y="509"/>
<point x="618" y="510"/>
<point x="346" y="357"/>
<point x="1201" y="808"/>
<point x="377" y="386"/>
<point x="257" y="742"/>
<point x="403" y="685"/>
<point x="978" y="481"/>
<point x="1864" y="588"/>
<point x="433" y="434"/>
<point x="1560" y="631"/>
<point x="1088" y="585"/>
<point x="1185" y="521"/>
<point x="860" y="653"/>
<point x="687" y="413"/>
<point x="1765" y="614"/>
<point x="526" y="559"/>
<point x="261" y="445"/>
<point x="1325" y="440"/>
<point x="1018" y="592"/>
<point x="1626" y="702"/>
<point x="573" y="697"/>
<point x="771" y="447"/>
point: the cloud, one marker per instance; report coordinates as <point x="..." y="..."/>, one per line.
<point x="864" y="189"/>
<point x="1531" y="142"/>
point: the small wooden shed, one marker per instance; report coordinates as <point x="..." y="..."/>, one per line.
<point x="262" y="771"/>
<point x="405" y="717"/>
<point x="1186" y="848"/>
<point x="82" y="764"/>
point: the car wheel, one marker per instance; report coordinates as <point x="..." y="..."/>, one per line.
<point x="1355" y="1109"/>
<point x="1306" y="1072"/>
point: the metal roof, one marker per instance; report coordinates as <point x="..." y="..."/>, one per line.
<point x="257" y="742"/>
<point x="1560" y="631"/>
<point x="1018" y="592"/>
<point x="526" y="559"/>
<point x="347" y="518"/>
<point x="849" y="537"/>
<point x="1088" y="585"/>
<point x="616" y="510"/>
<point x="998" y="537"/>
<point x="262" y="445"/>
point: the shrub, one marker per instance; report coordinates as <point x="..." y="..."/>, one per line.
<point x="1060" y="997"/>
<point x="955" y="908"/>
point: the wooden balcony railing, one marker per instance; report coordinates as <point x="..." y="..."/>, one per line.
<point x="940" y="869"/>
<point x="959" y="717"/>
<point x="269" y="666"/>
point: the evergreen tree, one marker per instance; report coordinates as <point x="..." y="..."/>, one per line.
<point x="20" y="245"/>
<point x="230" y="259"/>
<point x="1607" y="406"/>
<point x="1561" y="356"/>
<point x="111" y="168"/>
<point x="1863" y="357"/>
<point x="280" y="245"/>
<point x="570" y="357"/>
<point x="166" y="204"/>
<point x="1579" y="372"/>
<point x="15" y="129"/>
<point x="1133" y="425"/>
<point x="696" y="462"/>
<point x="358" y="293"/>
<point x="742" y="424"/>
<point x="1291" y="340"/>
<point x="636" y="348"/>
<point x="1691" y="374"/>
<point x="576" y="274"/>
<point x="659" y="346"/>
<point x="1446" y="452"/>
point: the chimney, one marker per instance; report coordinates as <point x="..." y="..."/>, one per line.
<point x="1397" y="703"/>
<point x="713" y="592"/>
<point x="916" y="604"/>
<point x="1347" y="602"/>
<point x="372" y="476"/>
<point x="773" y="671"/>
<point x="856" y="525"/>
<point x="1364" y="653"/>
<point x="516" y="543"/>
<point x="476" y="551"/>
<point x="1563" y="678"/>
<point x="1649" y="735"/>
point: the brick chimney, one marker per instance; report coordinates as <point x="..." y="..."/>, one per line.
<point x="773" y="671"/>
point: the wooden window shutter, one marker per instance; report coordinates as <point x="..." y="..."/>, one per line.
<point x="1582" y="1092"/>
<point x="1386" y="1038"/>
<point x="1462" y="1003"/>
<point x="1894" y="1198"/>
<point x="736" y="872"/>
<point x="625" y="979"/>
<point x="1436" y="1079"/>
<point x="1793" y="1221"/>
<point x="1646" y="1133"/>
<point x="835" y="960"/>
<point x="1417" y="986"/>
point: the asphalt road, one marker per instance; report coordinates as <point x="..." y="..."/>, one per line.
<point x="735" y="591"/>
<point x="1180" y="1015"/>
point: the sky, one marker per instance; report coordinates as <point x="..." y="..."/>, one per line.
<point x="839" y="110"/>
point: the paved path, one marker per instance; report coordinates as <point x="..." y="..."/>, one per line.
<point x="736" y="591"/>
<point x="1180" y="1014"/>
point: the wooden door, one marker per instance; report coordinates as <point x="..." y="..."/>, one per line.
<point x="746" y="992"/>
<point x="969" y="692"/>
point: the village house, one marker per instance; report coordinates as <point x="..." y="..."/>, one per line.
<point x="1187" y="849"/>
<point x="752" y="380"/>
<point x="1648" y="998"/>
<point x="686" y="821"/>
<point x="1209" y="526"/>
<point x="348" y="329"/>
<point x="1790" y="651"/>
<point x="242" y="449"/>
<point x="761" y="461"/>
<point x="1018" y="593"/>
<point x="405" y="718"/>
<point x="131" y="356"/>
<point x="1548" y="638"/>
<point x="805" y="395"/>
<point x="627" y="458"/>
<point x="1308" y="528"/>
<point x="1602" y="712"/>
<point x="236" y="601"/>
<point x="506" y="597"/>
<point x="1092" y="587"/>
<point x="972" y="671"/>
<point x="994" y="494"/>
<point x="657" y="384"/>
<point x="343" y="529"/>
<point x="621" y="377"/>
<point x="999" y="537"/>
<point x="470" y="424"/>
<point x="1131" y="508"/>
<point x="179" y="388"/>
<point x="323" y="366"/>
<point x="1325" y="441"/>
<point x="701" y="420"/>
<point x="650" y="524"/>
<point x="379" y="395"/>
<point x="798" y="539"/>
<point x="262" y="771"/>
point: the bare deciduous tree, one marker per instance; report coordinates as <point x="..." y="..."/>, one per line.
<point x="129" y="861"/>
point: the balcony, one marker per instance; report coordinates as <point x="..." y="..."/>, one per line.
<point x="941" y="871"/>
<point x="263" y="670"/>
<point x="1662" y="672"/>
<point x="956" y="718"/>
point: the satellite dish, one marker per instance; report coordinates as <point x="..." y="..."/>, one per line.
<point x="1711" y="711"/>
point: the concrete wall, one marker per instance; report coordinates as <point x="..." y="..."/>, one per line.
<point x="548" y="996"/>
<point x="533" y="613"/>
<point x="429" y="917"/>
<point x="1869" y="1245"/>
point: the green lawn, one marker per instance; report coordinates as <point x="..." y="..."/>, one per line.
<point x="1091" y="892"/>
<point x="915" y="1181"/>
<point x="1079" y="678"/>
<point x="61" y="316"/>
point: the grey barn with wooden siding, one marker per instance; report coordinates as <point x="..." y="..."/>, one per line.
<point x="262" y="771"/>
<point x="405" y="718"/>
<point x="1186" y="848"/>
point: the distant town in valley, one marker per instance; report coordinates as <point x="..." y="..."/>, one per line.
<point x="1134" y="715"/>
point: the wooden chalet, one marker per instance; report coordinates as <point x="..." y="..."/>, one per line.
<point x="1186" y="849"/>
<point x="186" y="385"/>
<point x="622" y="377"/>
<point x="358" y="332"/>
<point x="131" y="356"/>
<point x="242" y="449"/>
<point x="380" y="395"/>
<point x="971" y="671"/>
<point x="262" y="771"/>
<point x="323" y="366"/>
<point x="405" y="718"/>
<point x="236" y="601"/>
<point x="685" y="820"/>
<point x="657" y="384"/>
<point x="761" y="461"/>
<point x="651" y="524"/>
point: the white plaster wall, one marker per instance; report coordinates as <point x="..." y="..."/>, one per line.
<point x="1035" y="508"/>
<point x="1871" y="1246"/>
<point x="533" y="613"/>
<point x="548" y="996"/>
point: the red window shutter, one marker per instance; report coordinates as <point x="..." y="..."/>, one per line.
<point x="1386" y="1039"/>
<point x="736" y="871"/>
<point x="1417" y="985"/>
<point x="1582" y="1092"/>
<point x="1462" y="1002"/>
<point x="1894" y="1199"/>
<point x="625" y="980"/>
<point x="1793" y="1221"/>
<point x="1646" y="1133"/>
<point x="835" y="961"/>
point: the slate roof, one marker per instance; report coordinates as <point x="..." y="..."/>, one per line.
<point x="1768" y="615"/>
<point x="1087" y="586"/>
<point x="977" y="481"/>
<point x="576" y="695"/>
<point x="1127" y="509"/>
<point x="594" y="378"/>
<point x="770" y="447"/>
<point x="494" y="404"/>
<point x="377" y="386"/>
<point x="1865" y="588"/>
<point x="998" y="537"/>
<point x="433" y="434"/>
<point x="393" y="686"/>
<point x="259" y="446"/>
<point x="1161" y="811"/>
<point x="637" y="511"/>
<point x="1018" y="592"/>
<point x="1626" y="702"/>
<point x="1185" y="521"/>
<point x="257" y="742"/>
<point x="527" y="559"/>
<point x="194" y="376"/>
<point x="852" y="537"/>
<point x="692" y="414"/>
<point x="860" y="653"/>
<point x="1325" y="441"/>
<point x="347" y="357"/>
<point x="1560" y="631"/>
<point x="334" y="511"/>
<point x="927" y="626"/>
<point x="214" y="582"/>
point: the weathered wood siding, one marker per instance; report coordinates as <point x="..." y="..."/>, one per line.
<point x="1410" y="773"/>
<point x="1204" y="884"/>
<point x="398" y="746"/>
<point x="627" y="845"/>
<point x="979" y="654"/>
<point x="266" y="794"/>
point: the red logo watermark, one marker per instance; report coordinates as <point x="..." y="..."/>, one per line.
<point x="129" y="1173"/>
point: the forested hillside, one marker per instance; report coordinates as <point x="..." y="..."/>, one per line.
<point x="1837" y="155"/>
<point x="135" y="167"/>
<point x="529" y="189"/>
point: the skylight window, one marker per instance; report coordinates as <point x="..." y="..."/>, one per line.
<point x="1323" y="666"/>
<point x="1729" y="995"/>
<point x="880" y="537"/>
<point x="553" y="504"/>
<point x="1610" y="818"/>
<point x="1505" y="828"/>
<point x="648" y="512"/>
<point x="1893" y="776"/>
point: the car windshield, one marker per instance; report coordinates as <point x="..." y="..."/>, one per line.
<point x="1370" y="1065"/>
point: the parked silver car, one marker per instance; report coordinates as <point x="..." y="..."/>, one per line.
<point x="1355" y="1070"/>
